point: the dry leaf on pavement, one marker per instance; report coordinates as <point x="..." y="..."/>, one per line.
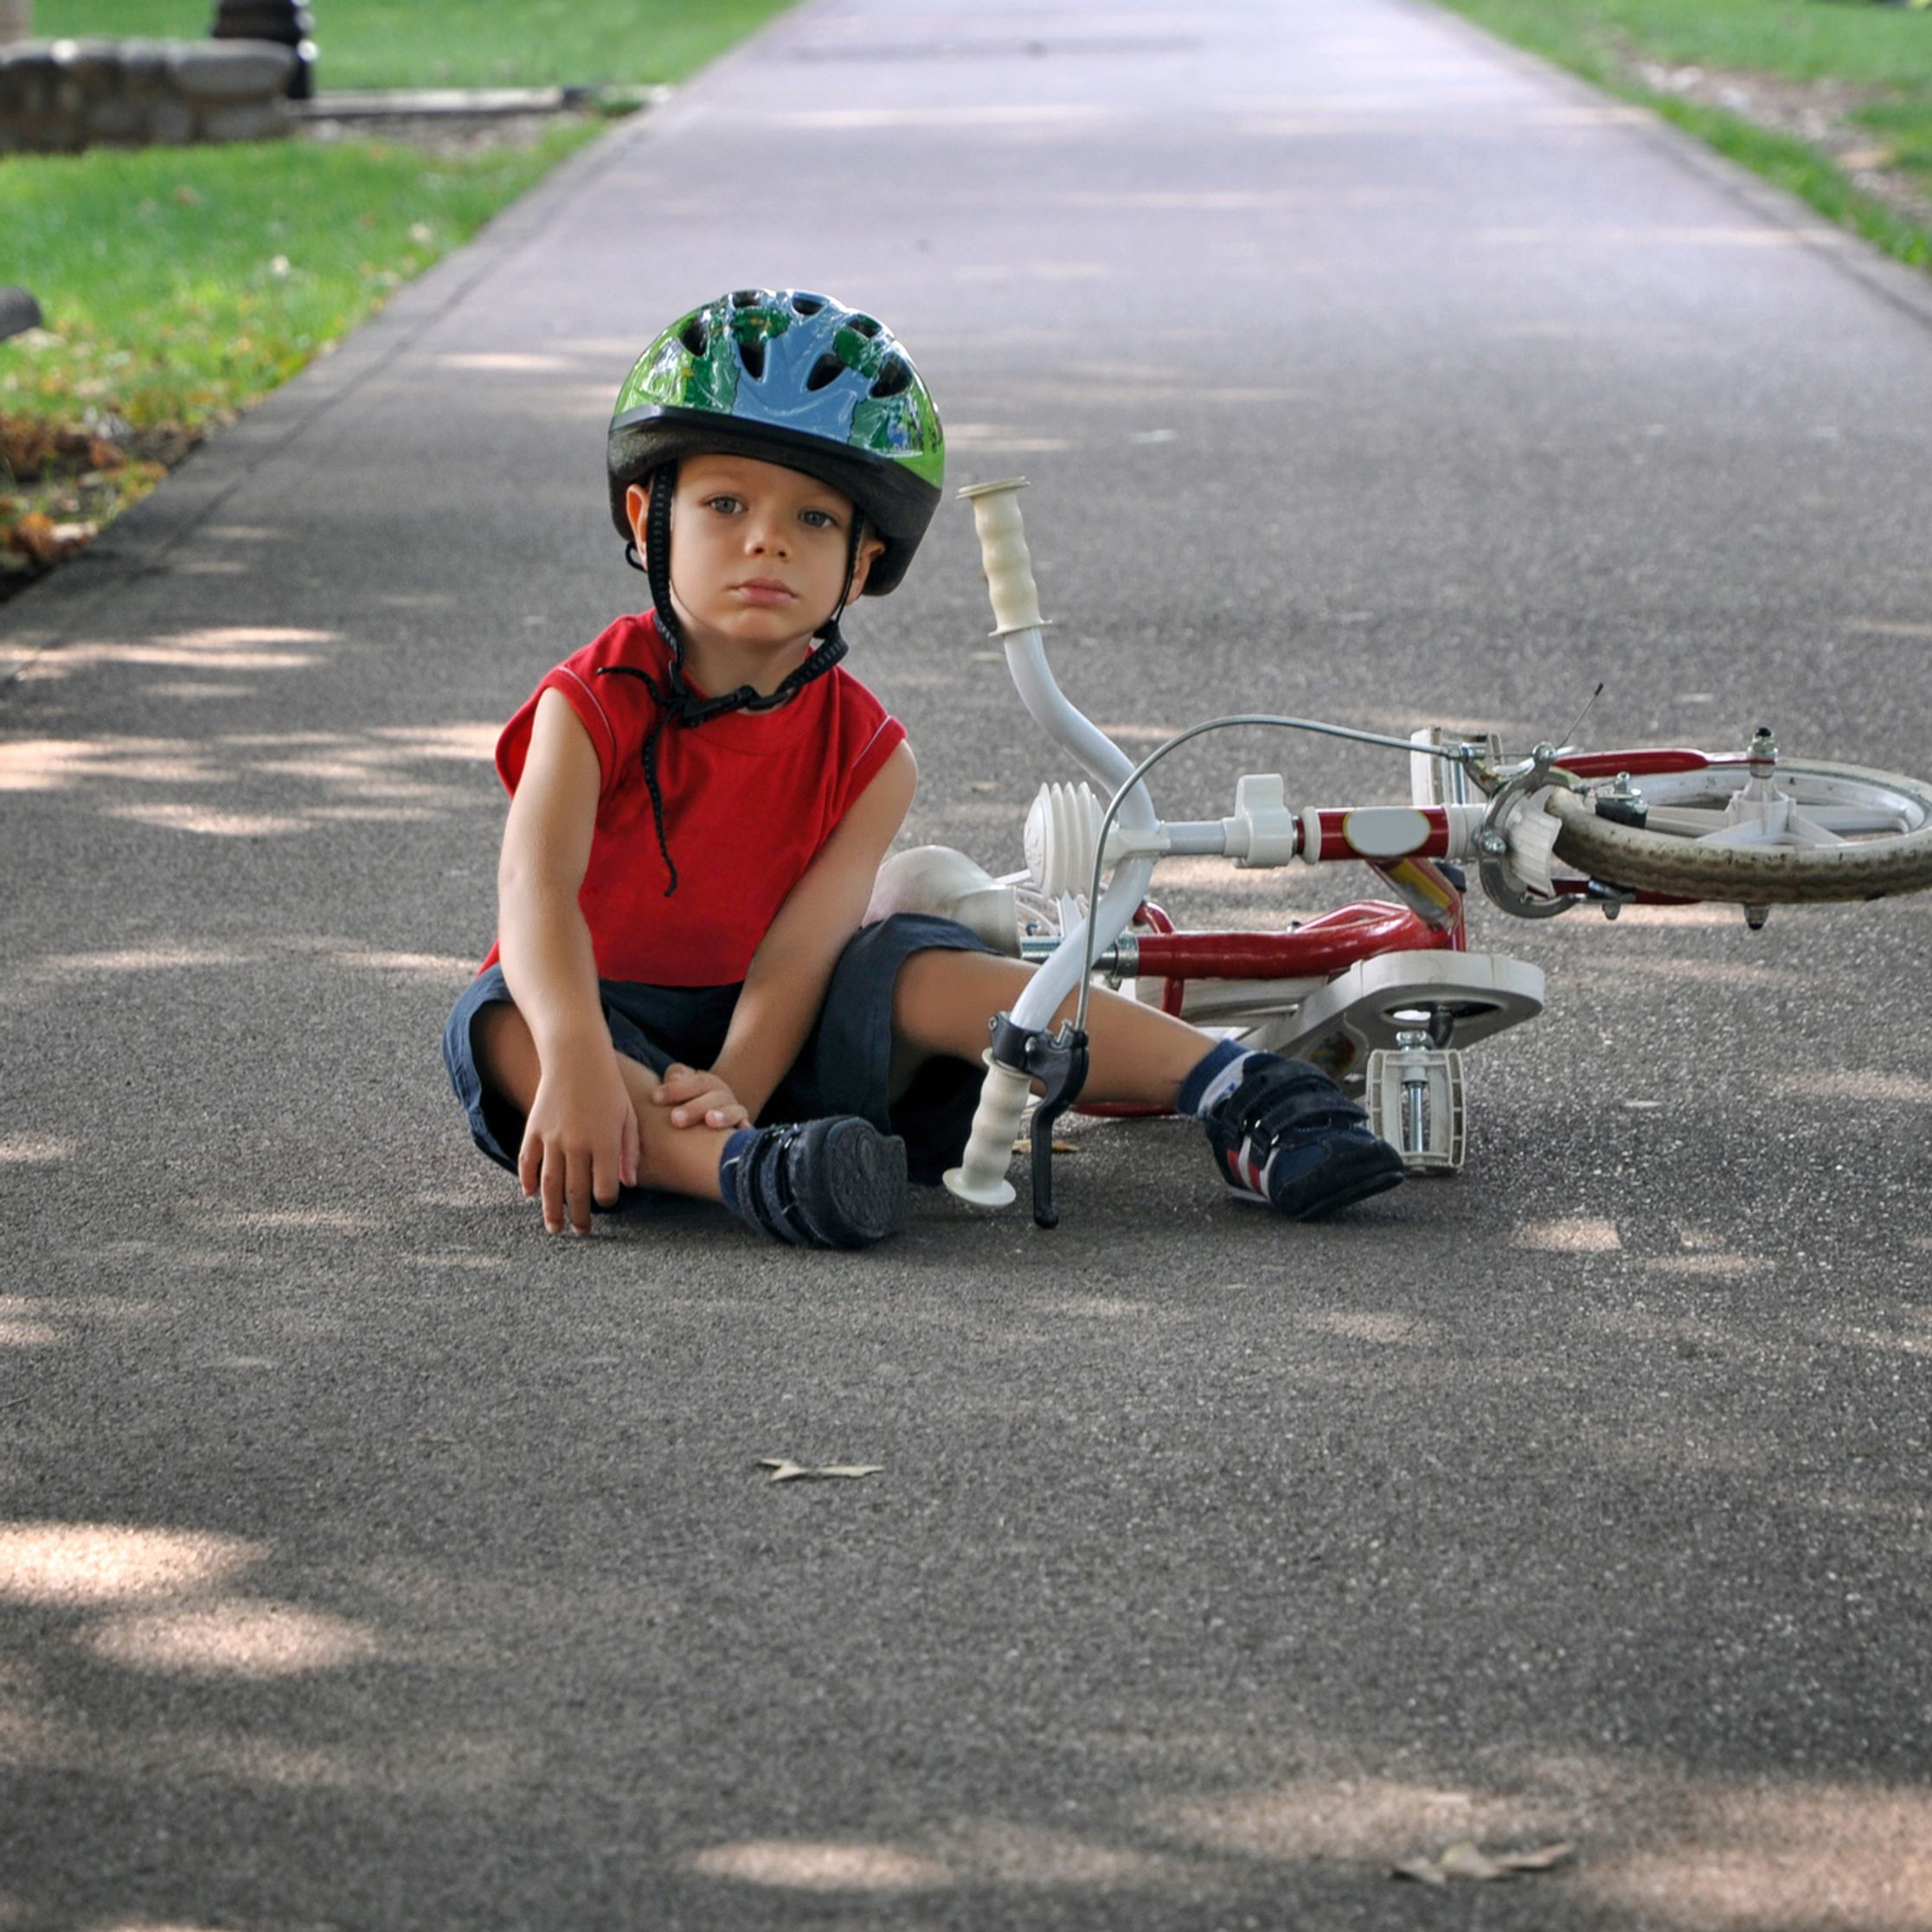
<point x="783" y="1470"/>
<point x="1466" y="1859"/>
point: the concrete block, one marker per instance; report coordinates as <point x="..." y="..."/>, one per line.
<point x="222" y="71"/>
<point x="116" y="119"/>
<point x="171" y="122"/>
<point x="143" y="67"/>
<point x="91" y="63"/>
<point x="247" y="120"/>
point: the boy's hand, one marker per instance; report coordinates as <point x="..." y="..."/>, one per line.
<point x="580" y="1140"/>
<point x="697" y="1098"/>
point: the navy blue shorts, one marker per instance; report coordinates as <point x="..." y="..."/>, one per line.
<point x="845" y="1067"/>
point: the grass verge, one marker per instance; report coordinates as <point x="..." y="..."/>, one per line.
<point x="180" y="284"/>
<point x="1832" y="99"/>
<point x="462" y="43"/>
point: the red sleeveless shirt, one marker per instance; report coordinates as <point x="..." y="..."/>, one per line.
<point x="749" y="798"/>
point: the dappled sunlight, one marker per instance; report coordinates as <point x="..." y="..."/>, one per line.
<point x="1876" y="1341"/>
<point x="151" y="1925"/>
<point x="1349" y="1817"/>
<point x="265" y="784"/>
<point x="822" y="1865"/>
<point x="999" y="1852"/>
<point x="1801" y="1853"/>
<point x="1717" y="1267"/>
<point x="231" y="647"/>
<point x="1386" y="1329"/>
<point x="1864" y="1085"/>
<point x="231" y="1638"/>
<point x="1678" y="915"/>
<point x="62" y="764"/>
<point x="463" y="741"/>
<point x="445" y="968"/>
<point x="86" y="1564"/>
<point x="36" y="1150"/>
<point x="15" y="1332"/>
<point x="1579" y="1234"/>
<point x="146" y="959"/>
<point x="1885" y="626"/>
<point x="208" y="821"/>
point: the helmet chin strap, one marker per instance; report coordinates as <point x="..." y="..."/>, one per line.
<point x="677" y="703"/>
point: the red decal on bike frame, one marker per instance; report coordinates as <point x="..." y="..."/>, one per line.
<point x="1331" y="839"/>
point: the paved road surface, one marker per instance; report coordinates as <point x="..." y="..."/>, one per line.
<point x="368" y="1561"/>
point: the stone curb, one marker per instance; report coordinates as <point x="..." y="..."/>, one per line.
<point x="58" y="97"/>
<point x="471" y="103"/>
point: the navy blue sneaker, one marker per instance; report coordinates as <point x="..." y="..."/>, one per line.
<point x="1287" y="1134"/>
<point x="837" y="1182"/>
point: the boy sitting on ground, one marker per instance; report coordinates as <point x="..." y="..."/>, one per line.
<point x="683" y="995"/>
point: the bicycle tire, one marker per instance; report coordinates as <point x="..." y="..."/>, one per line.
<point x="1894" y="858"/>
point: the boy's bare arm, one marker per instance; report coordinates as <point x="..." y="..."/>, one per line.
<point x="793" y="966"/>
<point x="581" y="1137"/>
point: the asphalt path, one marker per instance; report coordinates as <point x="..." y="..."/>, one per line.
<point x="367" y="1560"/>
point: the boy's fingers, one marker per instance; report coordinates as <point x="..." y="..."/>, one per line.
<point x="630" y="1152"/>
<point x="553" y="1191"/>
<point x="579" y="1181"/>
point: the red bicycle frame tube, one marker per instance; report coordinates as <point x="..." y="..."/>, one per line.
<point x="1317" y="949"/>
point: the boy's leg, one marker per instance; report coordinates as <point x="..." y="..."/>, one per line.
<point x="833" y="1183"/>
<point x="941" y="1001"/>
<point x="679" y="1160"/>
<point x="1280" y="1130"/>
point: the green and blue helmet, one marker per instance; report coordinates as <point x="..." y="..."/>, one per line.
<point x="794" y="378"/>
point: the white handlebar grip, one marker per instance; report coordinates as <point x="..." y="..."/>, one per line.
<point x="980" y="1177"/>
<point x="995" y="515"/>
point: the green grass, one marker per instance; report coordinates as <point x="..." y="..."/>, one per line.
<point x="1886" y="52"/>
<point x="1797" y="39"/>
<point x="180" y="284"/>
<point x="462" y="43"/>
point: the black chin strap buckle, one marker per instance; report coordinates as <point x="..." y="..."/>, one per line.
<point x="1058" y="1061"/>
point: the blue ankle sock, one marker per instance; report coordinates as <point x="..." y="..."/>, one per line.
<point x="1215" y="1076"/>
<point x="730" y="1162"/>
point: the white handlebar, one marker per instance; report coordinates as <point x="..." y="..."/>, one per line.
<point x="995" y="515"/>
<point x="981" y="1177"/>
<point x="1016" y="601"/>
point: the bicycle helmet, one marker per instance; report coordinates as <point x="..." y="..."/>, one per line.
<point x="788" y="377"/>
<point x="793" y="378"/>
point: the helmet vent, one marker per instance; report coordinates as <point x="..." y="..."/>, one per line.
<point x="865" y="325"/>
<point x="696" y="336"/>
<point x="806" y="305"/>
<point x="752" y="355"/>
<point x="747" y="297"/>
<point x="895" y="376"/>
<point x="826" y="370"/>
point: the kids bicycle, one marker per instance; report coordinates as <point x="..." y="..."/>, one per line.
<point x="1384" y="995"/>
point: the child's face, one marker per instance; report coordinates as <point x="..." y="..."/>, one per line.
<point x="758" y="552"/>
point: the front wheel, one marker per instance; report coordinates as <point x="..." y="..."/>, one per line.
<point x="1758" y="830"/>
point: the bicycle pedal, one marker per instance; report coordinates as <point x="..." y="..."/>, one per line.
<point x="1417" y="1102"/>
